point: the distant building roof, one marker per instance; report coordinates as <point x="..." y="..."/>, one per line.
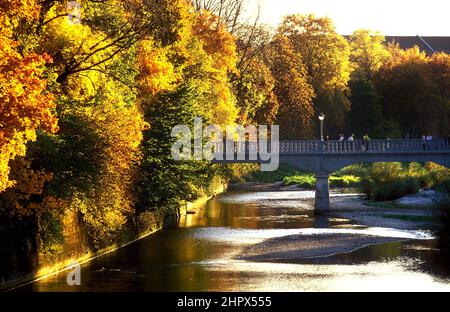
<point x="428" y="44"/>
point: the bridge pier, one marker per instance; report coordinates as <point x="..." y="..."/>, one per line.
<point x="322" y="196"/>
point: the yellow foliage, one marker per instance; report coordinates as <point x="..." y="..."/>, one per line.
<point x="217" y="41"/>
<point x="118" y="129"/>
<point x="156" y="72"/>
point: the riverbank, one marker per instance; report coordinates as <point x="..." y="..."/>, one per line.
<point x="146" y="224"/>
<point x="393" y="214"/>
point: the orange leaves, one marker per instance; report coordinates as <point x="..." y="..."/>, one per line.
<point x="217" y="41"/>
<point x="25" y="105"/>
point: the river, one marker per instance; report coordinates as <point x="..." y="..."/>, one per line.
<point x="265" y="241"/>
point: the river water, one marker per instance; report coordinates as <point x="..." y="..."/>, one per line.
<point x="203" y="253"/>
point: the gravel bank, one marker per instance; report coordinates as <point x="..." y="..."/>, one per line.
<point x="298" y="247"/>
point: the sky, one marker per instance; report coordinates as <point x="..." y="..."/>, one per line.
<point x="390" y="17"/>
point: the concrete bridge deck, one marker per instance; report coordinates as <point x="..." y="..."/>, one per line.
<point x="325" y="157"/>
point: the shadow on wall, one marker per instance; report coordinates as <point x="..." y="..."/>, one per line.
<point x="18" y="247"/>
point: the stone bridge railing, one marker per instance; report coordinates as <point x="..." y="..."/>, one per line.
<point x="373" y="146"/>
<point x="295" y="147"/>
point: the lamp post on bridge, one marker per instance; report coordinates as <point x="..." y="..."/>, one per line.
<point x="321" y="118"/>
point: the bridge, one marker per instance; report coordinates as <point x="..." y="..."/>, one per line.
<point x="325" y="157"/>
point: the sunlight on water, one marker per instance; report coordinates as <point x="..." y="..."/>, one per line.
<point x="274" y="196"/>
<point x="249" y="236"/>
<point x="372" y="276"/>
<point x="278" y="218"/>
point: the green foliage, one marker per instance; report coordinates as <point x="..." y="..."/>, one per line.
<point x="254" y="93"/>
<point x="388" y="181"/>
<point x="392" y="189"/>
<point x="366" y="115"/>
<point x="73" y="156"/>
<point x="345" y="181"/>
<point x="308" y="181"/>
<point x="164" y="181"/>
<point x="50" y="235"/>
<point x="359" y="170"/>
<point x="305" y="181"/>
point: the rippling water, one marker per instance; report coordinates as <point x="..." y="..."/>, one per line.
<point x="204" y="253"/>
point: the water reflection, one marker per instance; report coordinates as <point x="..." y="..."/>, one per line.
<point x="202" y="254"/>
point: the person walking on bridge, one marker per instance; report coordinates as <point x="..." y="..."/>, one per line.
<point x="350" y="139"/>
<point x="327" y="138"/>
<point x="429" y="139"/>
<point x="341" y="142"/>
<point x="366" y="141"/>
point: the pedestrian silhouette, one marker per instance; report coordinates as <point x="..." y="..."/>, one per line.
<point x="366" y="141"/>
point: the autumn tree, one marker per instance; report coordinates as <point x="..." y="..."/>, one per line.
<point x="93" y="158"/>
<point x="220" y="52"/>
<point x="25" y="103"/>
<point x="254" y="88"/>
<point x="366" y="115"/>
<point x="187" y="79"/>
<point x="439" y="64"/>
<point x="325" y="55"/>
<point x="294" y="94"/>
<point x="367" y="54"/>
<point x="229" y="11"/>
<point x="408" y="92"/>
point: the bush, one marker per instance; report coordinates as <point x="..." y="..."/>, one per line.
<point x="358" y="170"/>
<point x="388" y="181"/>
<point x="306" y="181"/>
<point x="391" y="190"/>
<point x="345" y="181"/>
